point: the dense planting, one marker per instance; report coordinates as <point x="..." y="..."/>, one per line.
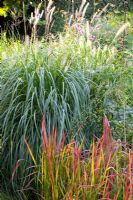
<point x="67" y="171"/>
<point x="72" y="80"/>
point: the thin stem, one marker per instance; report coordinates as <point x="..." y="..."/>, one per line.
<point x="73" y="8"/>
<point x="24" y="18"/>
<point x="69" y="5"/>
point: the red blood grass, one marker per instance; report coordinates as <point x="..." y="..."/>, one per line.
<point x="61" y="143"/>
<point x="129" y="179"/>
<point x="96" y="173"/>
<point x="107" y="136"/>
<point x="77" y="154"/>
<point x="44" y="133"/>
<point x="54" y="139"/>
<point x="15" y="168"/>
<point x="80" y="127"/>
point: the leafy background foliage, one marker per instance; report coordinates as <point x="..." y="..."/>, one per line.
<point x="14" y="10"/>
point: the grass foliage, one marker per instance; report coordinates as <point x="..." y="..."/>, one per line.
<point x="35" y="88"/>
<point x="74" y="79"/>
<point x="67" y="172"/>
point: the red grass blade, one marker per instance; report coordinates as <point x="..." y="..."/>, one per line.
<point x="107" y="136"/>
<point x="129" y="182"/>
<point x="44" y="133"/>
<point x="61" y="143"/>
<point x="54" y="139"/>
<point x="15" y="168"/>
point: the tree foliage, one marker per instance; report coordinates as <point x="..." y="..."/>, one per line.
<point x="20" y="11"/>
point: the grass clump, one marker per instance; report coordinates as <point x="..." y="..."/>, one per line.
<point x="67" y="171"/>
<point x="31" y="87"/>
